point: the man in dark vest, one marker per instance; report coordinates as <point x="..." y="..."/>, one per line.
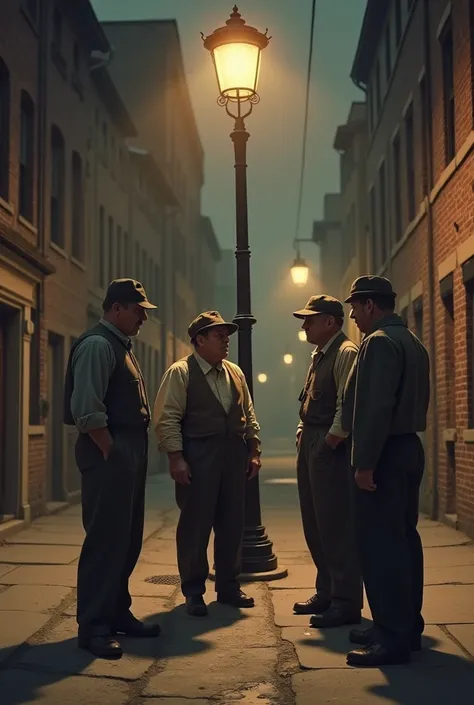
<point x="323" y="469"/>
<point x="385" y="406"/>
<point x="205" y="421"/>
<point x="105" y="398"/>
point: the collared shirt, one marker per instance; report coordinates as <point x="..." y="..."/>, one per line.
<point x="170" y="404"/>
<point x="93" y="363"/>
<point x="343" y="364"/>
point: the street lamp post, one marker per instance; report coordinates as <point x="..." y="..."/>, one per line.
<point x="236" y="53"/>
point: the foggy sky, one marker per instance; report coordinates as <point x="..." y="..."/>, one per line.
<point x="274" y="149"/>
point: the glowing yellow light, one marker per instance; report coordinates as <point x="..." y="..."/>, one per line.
<point x="299" y="272"/>
<point x="237" y="68"/>
<point x="262" y="378"/>
<point x="287" y="359"/>
<point x="302" y="336"/>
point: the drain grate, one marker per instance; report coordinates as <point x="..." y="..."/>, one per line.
<point x="163" y="579"/>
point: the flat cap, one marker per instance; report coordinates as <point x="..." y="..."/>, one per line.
<point x="127" y="291"/>
<point x="370" y="285"/>
<point x="209" y="319"/>
<point x="321" y="304"/>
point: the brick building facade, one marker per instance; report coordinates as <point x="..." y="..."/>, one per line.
<point x="85" y="196"/>
<point x="415" y="62"/>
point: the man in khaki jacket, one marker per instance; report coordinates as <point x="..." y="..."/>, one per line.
<point x="385" y="406"/>
<point x="205" y="421"/>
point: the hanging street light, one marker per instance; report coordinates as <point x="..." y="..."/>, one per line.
<point x="299" y="271"/>
<point x="236" y="51"/>
<point x="262" y="378"/>
<point x="288" y="359"/>
<point x="302" y="336"/>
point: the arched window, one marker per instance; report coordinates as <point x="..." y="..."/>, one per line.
<point x="57" y="187"/>
<point x="4" y="130"/>
<point x="77" y="200"/>
<point x="27" y="156"/>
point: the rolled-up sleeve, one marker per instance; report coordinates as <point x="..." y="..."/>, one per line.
<point x="169" y="409"/>
<point x="252" y="426"/>
<point x="92" y="365"/>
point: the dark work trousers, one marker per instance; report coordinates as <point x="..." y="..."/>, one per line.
<point x="389" y="544"/>
<point x="215" y="499"/>
<point x="113" y="509"/>
<point x="325" y="487"/>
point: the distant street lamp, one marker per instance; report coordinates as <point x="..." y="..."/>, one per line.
<point x="288" y="359"/>
<point x="262" y="378"/>
<point x="302" y="336"/>
<point x="299" y="272"/>
<point x="236" y="54"/>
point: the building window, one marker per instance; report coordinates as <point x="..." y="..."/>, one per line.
<point x="4" y="131"/>
<point x="57" y="187"/>
<point x="398" y="21"/>
<point x="447" y="53"/>
<point x="111" y="249"/>
<point x="397" y="188"/>
<point x="101" y="258"/>
<point x="77" y="228"/>
<point x="119" y="251"/>
<point x="388" y="53"/>
<point x="424" y="117"/>
<point x="373" y="224"/>
<point x="27" y="151"/>
<point x="378" y="89"/>
<point x="383" y="214"/>
<point x="410" y="164"/>
<point x="57" y="38"/>
<point x="446" y="291"/>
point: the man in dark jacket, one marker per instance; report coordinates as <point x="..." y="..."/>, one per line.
<point x="205" y="421"/>
<point x="105" y="398"/>
<point x="385" y="407"/>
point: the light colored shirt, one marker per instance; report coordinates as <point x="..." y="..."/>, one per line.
<point x="343" y="364"/>
<point x="93" y="363"/>
<point x="170" y="404"/>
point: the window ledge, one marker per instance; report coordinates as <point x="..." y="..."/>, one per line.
<point x="6" y="206"/>
<point x="26" y="224"/>
<point x="78" y="263"/>
<point x="36" y="430"/>
<point x="468" y="435"/>
<point x="58" y="249"/>
<point x="450" y="435"/>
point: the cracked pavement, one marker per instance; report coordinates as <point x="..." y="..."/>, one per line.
<point x="263" y="656"/>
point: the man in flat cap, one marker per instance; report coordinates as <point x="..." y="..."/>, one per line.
<point x="205" y="421"/>
<point x="105" y="398"/>
<point x="323" y="469"/>
<point x="385" y="406"/>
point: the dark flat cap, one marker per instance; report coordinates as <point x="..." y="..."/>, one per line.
<point x="209" y="319"/>
<point x="370" y="285"/>
<point x="321" y="304"/>
<point x="127" y="291"/>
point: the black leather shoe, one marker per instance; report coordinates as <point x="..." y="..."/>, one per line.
<point x="131" y="626"/>
<point x="195" y="606"/>
<point x="315" y="605"/>
<point x="237" y="599"/>
<point x="102" y="646"/>
<point x="375" y="655"/>
<point x="364" y="637"/>
<point x="334" y="617"/>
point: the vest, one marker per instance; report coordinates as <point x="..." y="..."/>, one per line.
<point x="205" y="417"/>
<point x="319" y="396"/>
<point x="126" y="400"/>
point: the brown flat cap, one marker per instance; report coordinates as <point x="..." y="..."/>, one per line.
<point x="370" y="285"/>
<point x="127" y="291"/>
<point x="209" y="319"/>
<point x="321" y="304"/>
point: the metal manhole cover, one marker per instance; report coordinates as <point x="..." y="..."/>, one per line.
<point x="163" y="579"/>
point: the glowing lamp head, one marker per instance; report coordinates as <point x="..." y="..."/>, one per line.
<point x="299" y="272"/>
<point x="236" y="52"/>
<point x="302" y="336"/>
<point x="262" y="378"/>
<point x="288" y="359"/>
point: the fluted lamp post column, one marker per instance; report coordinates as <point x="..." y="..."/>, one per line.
<point x="236" y="51"/>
